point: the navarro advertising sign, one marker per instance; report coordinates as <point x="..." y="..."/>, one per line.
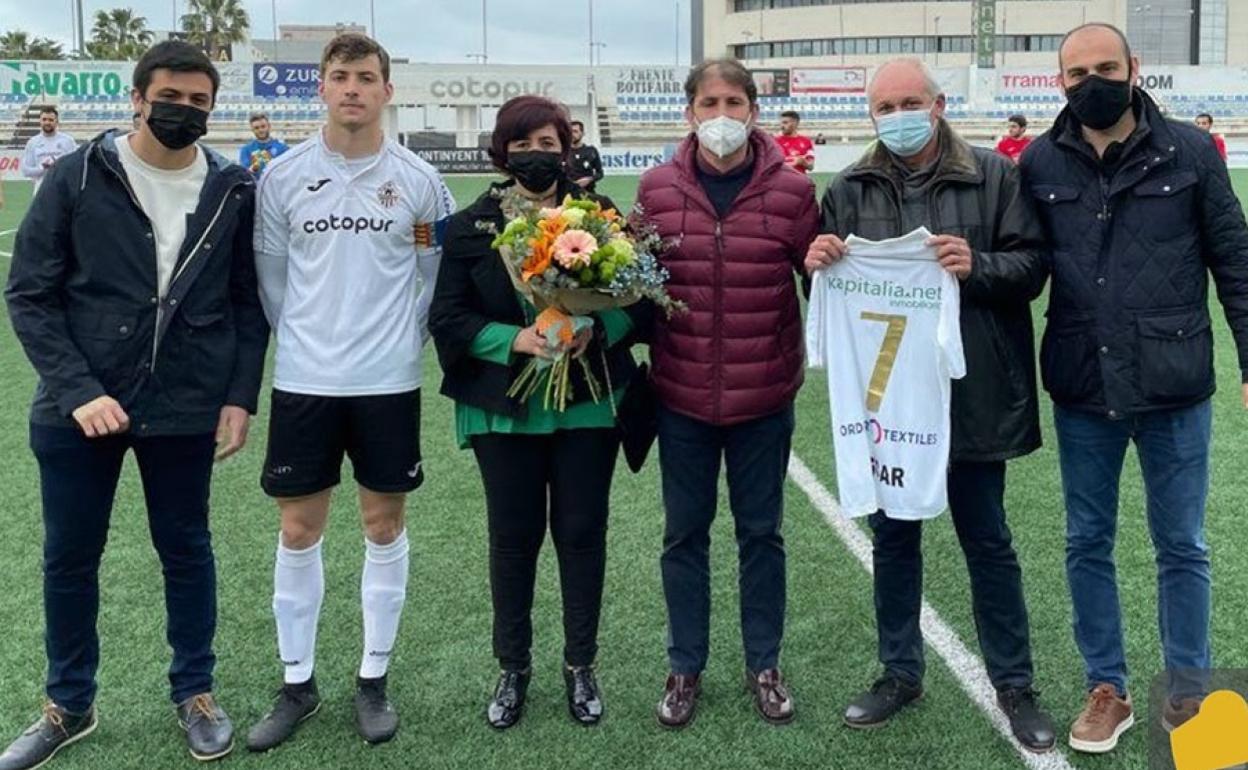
<point x="286" y="80"/>
<point x="59" y="78"/>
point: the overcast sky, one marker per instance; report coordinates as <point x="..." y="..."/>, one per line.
<point x="519" y="31"/>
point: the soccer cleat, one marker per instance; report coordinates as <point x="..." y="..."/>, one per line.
<point x="295" y="704"/>
<point x="375" y="719"/>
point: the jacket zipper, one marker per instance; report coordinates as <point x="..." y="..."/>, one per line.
<point x="718" y="387"/>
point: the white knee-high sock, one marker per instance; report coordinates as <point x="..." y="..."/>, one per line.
<point x="383" y="588"/>
<point x="298" y="588"/>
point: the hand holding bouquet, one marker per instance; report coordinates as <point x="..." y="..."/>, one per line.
<point x="571" y="261"/>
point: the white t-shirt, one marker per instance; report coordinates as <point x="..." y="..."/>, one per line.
<point x="884" y="322"/>
<point x="168" y="198"/>
<point x="347" y="253"/>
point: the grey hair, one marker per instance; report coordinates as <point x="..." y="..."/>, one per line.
<point x="929" y="83"/>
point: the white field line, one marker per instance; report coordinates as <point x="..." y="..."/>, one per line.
<point x="966" y="666"/>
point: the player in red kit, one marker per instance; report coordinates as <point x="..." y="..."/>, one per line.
<point x="1205" y="121"/>
<point x="1012" y="145"/>
<point x="798" y="150"/>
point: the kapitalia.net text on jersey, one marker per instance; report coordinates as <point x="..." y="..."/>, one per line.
<point x="884" y="289"/>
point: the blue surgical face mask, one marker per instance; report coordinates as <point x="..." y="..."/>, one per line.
<point x="905" y="132"/>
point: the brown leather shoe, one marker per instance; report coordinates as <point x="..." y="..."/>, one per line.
<point x="771" y="696"/>
<point x="1104" y="719"/>
<point x="1176" y="714"/>
<point x="680" y="700"/>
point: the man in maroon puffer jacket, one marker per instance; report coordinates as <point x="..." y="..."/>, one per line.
<point x="727" y="371"/>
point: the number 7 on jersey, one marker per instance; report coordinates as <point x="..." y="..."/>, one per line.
<point x="888" y="356"/>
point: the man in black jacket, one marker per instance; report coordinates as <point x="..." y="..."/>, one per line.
<point x="133" y="291"/>
<point x="583" y="164"/>
<point x="922" y="174"/>
<point x="1138" y="210"/>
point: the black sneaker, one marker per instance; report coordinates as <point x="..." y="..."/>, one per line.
<point x="507" y="705"/>
<point x="209" y="732"/>
<point x="584" y="697"/>
<point x="375" y="719"/>
<point x="295" y="704"/>
<point x="886" y="697"/>
<point x="53" y="731"/>
<point x="1031" y="726"/>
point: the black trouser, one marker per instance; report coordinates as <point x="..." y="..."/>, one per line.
<point x="977" y="505"/>
<point x="78" y="477"/>
<point x="564" y="477"/>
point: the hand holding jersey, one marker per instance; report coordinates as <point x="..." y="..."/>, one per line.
<point x="884" y="322"/>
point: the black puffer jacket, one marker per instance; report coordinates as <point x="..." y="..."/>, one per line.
<point x="1129" y="328"/>
<point x="977" y="195"/>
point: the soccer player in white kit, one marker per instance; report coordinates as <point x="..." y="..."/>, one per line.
<point x="44" y="148"/>
<point x="347" y="231"/>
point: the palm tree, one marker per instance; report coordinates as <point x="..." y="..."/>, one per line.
<point x="216" y="24"/>
<point x="119" y="35"/>
<point x="16" y="44"/>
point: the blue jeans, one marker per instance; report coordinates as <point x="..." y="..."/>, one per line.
<point x="78" y="478"/>
<point x="1173" y="448"/>
<point x="756" y="455"/>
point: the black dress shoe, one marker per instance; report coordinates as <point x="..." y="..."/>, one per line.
<point x="584" y="697"/>
<point x="209" y="732"/>
<point x="1031" y="726"/>
<point x="507" y="704"/>
<point x="878" y="705"/>
<point x="295" y="703"/>
<point x="375" y="719"/>
<point x="53" y="731"/>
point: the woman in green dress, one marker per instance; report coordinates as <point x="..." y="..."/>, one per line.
<point x="538" y="465"/>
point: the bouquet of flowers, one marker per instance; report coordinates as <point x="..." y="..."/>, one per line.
<point x="568" y="262"/>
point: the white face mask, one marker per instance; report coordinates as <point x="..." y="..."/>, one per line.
<point x="723" y="135"/>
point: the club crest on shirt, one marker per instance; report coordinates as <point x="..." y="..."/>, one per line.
<point x="388" y="194"/>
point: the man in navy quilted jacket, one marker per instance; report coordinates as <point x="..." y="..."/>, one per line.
<point x="1139" y="211"/>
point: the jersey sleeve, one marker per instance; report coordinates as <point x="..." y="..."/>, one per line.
<point x="816" y="354"/>
<point x="272" y="246"/>
<point x="949" y="327"/>
<point x="436" y="208"/>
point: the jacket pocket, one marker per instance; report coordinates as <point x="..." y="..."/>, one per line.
<point x="198" y="359"/>
<point x="1175" y="358"/>
<point x="108" y="341"/>
<point x="1164" y="207"/>
<point x="1068" y="363"/>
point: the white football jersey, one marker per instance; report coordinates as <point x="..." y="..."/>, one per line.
<point x="347" y="254"/>
<point x="884" y="322"/>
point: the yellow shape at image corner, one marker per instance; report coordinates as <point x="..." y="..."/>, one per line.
<point x="1216" y="738"/>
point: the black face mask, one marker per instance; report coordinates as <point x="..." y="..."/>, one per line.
<point x="1099" y="102"/>
<point x="535" y="170"/>
<point x="177" y="126"/>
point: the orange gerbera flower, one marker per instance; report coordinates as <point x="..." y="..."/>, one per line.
<point x="539" y="260"/>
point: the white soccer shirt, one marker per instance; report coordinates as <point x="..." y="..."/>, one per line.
<point x="884" y="322"/>
<point x="43" y="150"/>
<point x="347" y="254"/>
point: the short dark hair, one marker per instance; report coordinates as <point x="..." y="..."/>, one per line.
<point x="792" y="114"/>
<point x="49" y="108"/>
<point x="353" y="46"/>
<point x="176" y="56"/>
<point x="729" y="70"/>
<point x="523" y="115"/>
<point x="258" y="116"/>
<point x="1126" y="46"/>
<point x="1020" y="119"/>
<point x="1206" y="116"/>
<point x="579" y="125"/>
